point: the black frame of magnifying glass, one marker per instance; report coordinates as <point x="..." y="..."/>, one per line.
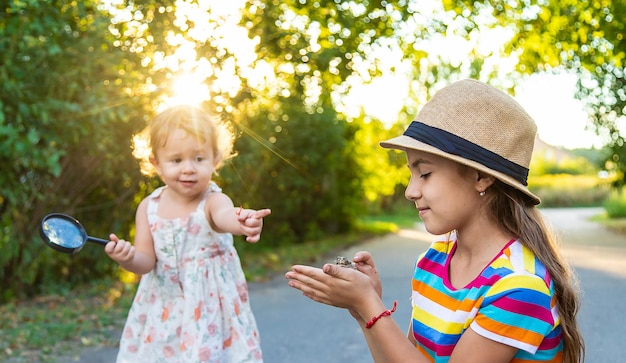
<point x="77" y="224"/>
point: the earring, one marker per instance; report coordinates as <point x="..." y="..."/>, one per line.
<point x="482" y="193"/>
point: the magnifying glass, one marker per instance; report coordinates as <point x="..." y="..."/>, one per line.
<point x="65" y="234"/>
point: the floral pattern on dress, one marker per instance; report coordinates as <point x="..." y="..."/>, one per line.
<point x="194" y="305"/>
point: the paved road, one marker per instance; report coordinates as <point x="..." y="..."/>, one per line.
<point x="295" y="329"/>
<point x="599" y="258"/>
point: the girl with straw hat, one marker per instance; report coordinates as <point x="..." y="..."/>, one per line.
<point x="493" y="287"/>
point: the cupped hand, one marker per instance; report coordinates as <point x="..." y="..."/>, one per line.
<point x="365" y="263"/>
<point x="332" y="285"/>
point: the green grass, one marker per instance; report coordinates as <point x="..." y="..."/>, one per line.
<point x="404" y="216"/>
<point x="617" y="225"/>
<point x="40" y="329"/>
<point x="45" y="327"/>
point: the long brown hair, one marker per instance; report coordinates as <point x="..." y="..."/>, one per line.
<point x="515" y="212"/>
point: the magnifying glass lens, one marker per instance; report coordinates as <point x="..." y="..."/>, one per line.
<point x="63" y="233"/>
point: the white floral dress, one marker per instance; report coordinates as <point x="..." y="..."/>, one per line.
<point x="193" y="307"/>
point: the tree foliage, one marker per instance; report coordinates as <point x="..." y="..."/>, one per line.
<point x="315" y="161"/>
<point x="297" y="153"/>
<point x="79" y="80"/>
<point x="585" y="37"/>
<point x="67" y="110"/>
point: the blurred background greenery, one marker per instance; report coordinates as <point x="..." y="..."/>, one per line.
<point x="79" y="78"/>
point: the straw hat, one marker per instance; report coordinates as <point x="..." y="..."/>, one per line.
<point x="476" y="125"/>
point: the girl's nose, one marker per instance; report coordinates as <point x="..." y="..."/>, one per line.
<point x="188" y="167"/>
<point x="412" y="192"/>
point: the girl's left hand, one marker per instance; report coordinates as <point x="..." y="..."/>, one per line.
<point x="251" y="222"/>
<point x="365" y="263"/>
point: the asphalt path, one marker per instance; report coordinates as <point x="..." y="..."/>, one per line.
<point x="296" y="329"/>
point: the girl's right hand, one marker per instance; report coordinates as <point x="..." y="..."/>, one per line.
<point x="119" y="250"/>
<point x="334" y="285"/>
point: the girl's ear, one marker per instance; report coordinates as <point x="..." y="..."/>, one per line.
<point x="217" y="159"/>
<point x="484" y="181"/>
<point x="155" y="163"/>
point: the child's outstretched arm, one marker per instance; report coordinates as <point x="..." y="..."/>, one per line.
<point x="226" y="218"/>
<point x="140" y="258"/>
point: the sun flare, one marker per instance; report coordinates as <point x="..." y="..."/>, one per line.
<point x="189" y="90"/>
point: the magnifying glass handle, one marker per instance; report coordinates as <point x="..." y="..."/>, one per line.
<point x="99" y="241"/>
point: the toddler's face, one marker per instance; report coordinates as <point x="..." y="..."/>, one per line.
<point x="185" y="164"/>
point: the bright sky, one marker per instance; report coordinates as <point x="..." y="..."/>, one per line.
<point x="549" y="99"/>
<point x="560" y="118"/>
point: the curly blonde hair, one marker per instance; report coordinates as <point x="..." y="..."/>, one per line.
<point x="196" y="122"/>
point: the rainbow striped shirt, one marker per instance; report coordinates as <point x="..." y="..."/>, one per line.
<point x="512" y="301"/>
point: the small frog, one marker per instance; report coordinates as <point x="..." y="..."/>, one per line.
<point x="344" y="262"/>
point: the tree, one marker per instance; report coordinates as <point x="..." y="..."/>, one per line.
<point x="307" y="174"/>
<point x="583" y="37"/>
<point x="297" y="152"/>
<point x="332" y="164"/>
<point x="79" y="79"/>
<point x="68" y="107"/>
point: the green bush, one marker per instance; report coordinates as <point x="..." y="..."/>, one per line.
<point x="66" y="119"/>
<point x="545" y="162"/>
<point x="615" y="205"/>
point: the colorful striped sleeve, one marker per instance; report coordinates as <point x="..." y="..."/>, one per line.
<point x="517" y="311"/>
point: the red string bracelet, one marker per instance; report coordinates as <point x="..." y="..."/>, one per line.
<point x="384" y="313"/>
